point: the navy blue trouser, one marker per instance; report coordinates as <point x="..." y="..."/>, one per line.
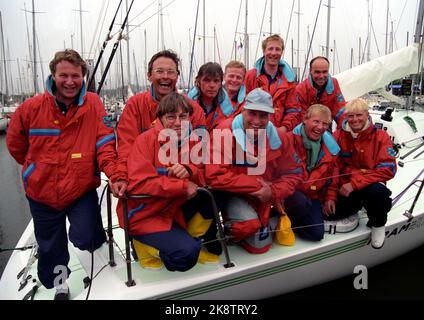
<point x="375" y="198"/>
<point x="85" y="232"/>
<point x="305" y="215"/>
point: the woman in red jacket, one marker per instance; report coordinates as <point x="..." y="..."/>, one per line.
<point x="366" y="162"/>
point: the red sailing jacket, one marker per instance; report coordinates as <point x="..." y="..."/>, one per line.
<point x="282" y="167"/>
<point x="148" y="175"/>
<point x="62" y="156"/>
<point x="321" y="183"/>
<point x="238" y="102"/>
<point x="224" y="109"/>
<point x="287" y="111"/>
<point x="332" y="97"/>
<point x="138" y="116"/>
<point x="368" y="159"/>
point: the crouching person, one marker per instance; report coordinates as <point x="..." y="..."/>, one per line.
<point x="317" y="150"/>
<point x="254" y="166"/>
<point x="366" y="162"/>
<point x="166" y="227"/>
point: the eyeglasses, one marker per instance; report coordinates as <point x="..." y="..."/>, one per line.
<point x="173" y="117"/>
<point x="170" y="72"/>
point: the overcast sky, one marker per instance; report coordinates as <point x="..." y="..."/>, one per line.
<point x="58" y="26"/>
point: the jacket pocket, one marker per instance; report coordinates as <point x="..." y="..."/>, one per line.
<point x="85" y="166"/>
<point x="39" y="181"/>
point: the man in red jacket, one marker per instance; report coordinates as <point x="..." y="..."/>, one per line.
<point x="165" y="227"/>
<point x="256" y="167"/>
<point x="139" y="113"/>
<point x="234" y="75"/>
<point x="274" y="75"/>
<point x="366" y="162"/>
<point x="321" y="88"/>
<point x="317" y="150"/>
<point x="63" y="139"/>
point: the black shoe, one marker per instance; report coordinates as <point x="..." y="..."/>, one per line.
<point x="61" y="295"/>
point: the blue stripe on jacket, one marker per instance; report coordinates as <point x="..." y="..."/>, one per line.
<point x="135" y="210"/>
<point x="105" y="140"/>
<point x="387" y="165"/>
<point x="44" y="132"/>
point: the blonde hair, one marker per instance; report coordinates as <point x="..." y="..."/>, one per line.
<point x="317" y="108"/>
<point x="272" y="38"/>
<point x="356" y="105"/>
<point x="235" y="64"/>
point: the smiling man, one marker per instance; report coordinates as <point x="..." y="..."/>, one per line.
<point x="275" y="76"/>
<point x="139" y="113"/>
<point x="62" y="138"/>
<point x="249" y="191"/>
<point x="234" y="75"/>
<point x="321" y="88"/>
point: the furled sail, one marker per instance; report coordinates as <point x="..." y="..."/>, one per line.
<point x="377" y="73"/>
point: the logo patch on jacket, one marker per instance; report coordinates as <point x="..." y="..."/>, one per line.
<point x="107" y="120"/>
<point x="340" y="98"/>
<point x="391" y="152"/>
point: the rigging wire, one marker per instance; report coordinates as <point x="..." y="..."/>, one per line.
<point x="260" y="32"/>
<point x="108" y="37"/>
<point x="115" y="47"/>
<point x="145" y="20"/>
<point x="194" y="42"/>
<point x="96" y="30"/>
<point x="102" y="13"/>
<point x="235" y="33"/>
<point x="288" y="27"/>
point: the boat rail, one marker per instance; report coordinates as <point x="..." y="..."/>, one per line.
<point x="130" y="281"/>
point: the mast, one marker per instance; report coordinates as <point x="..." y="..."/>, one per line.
<point x="29" y="42"/>
<point x="360" y="51"/>
<point x="270" y="17"/>
<point x="82" y="39"/>
<point x="145" y="59"/>
<point x="128" y="50"/>
<point x="369" y="33"/>
<point x="327" y="45"/>
<point x="204" y="33"/>
<point x="34" y="48"/>
<point x="298" y="41"/>
<point x="135" y="70"/>
<point x="9" y="67"/>
<point x="160" y="26"/>
<point x="21" y="87"/>
<point x="214" y="43"/>
<point x="387" y="25"/>
<point x="4" y="55"/>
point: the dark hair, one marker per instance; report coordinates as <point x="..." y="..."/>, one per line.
<point x="72" y="57"/>
<point x="316" y="58"/>
<point x="214" y="70"/>
<point x="171" y="103"/>
<point x="164" y="54"/>
<point x="210" y="69"/>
